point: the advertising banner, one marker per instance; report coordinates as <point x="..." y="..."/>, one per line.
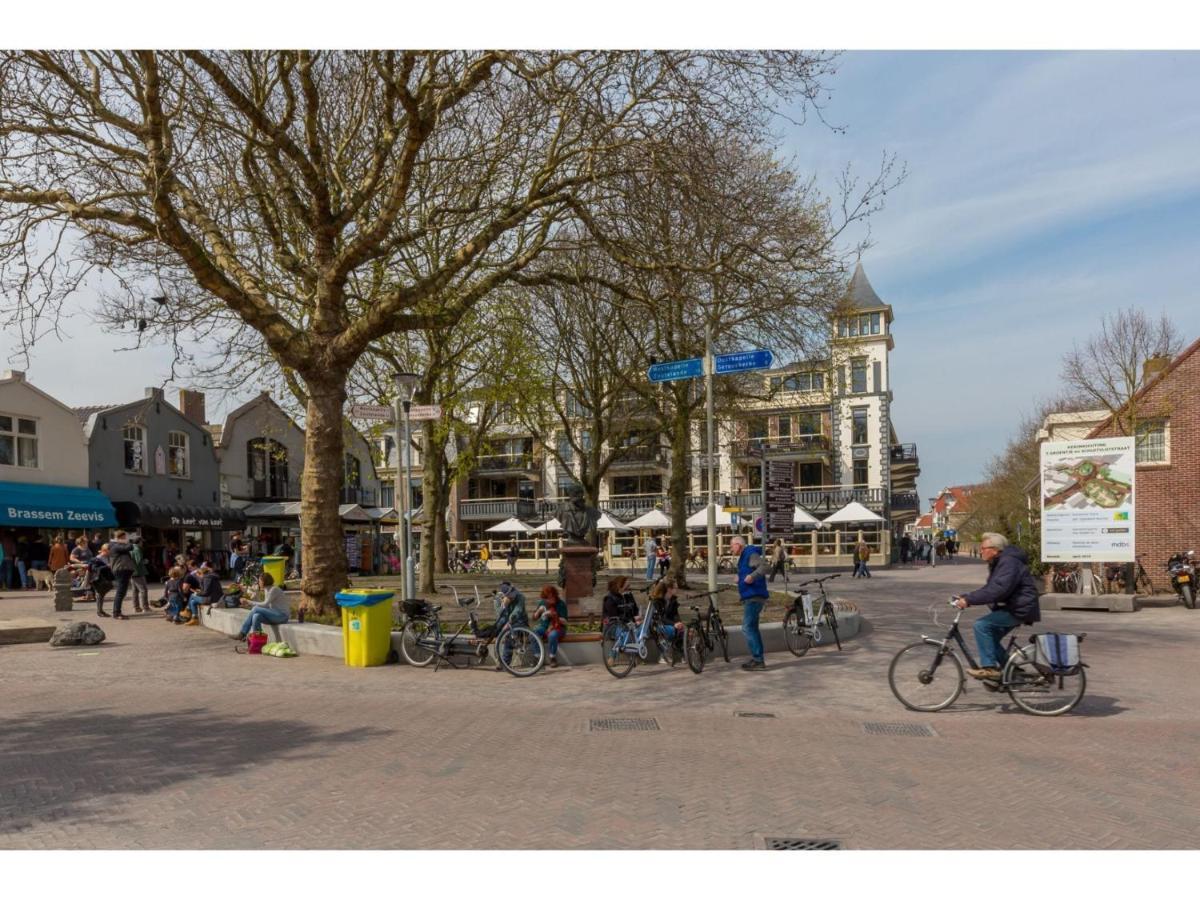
<point x="1088" y="500"/>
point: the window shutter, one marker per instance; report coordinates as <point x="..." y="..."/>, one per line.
<point x="877" y="373"/>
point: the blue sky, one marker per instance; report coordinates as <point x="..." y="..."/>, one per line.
<point x="1043" y="191"/>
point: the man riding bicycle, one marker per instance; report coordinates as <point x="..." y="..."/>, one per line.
<point x="1011" y="594"/>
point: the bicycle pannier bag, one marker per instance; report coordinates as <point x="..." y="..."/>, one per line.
<point x="1058" y="651"/>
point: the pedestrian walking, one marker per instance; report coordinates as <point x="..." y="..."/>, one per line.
<point x="141" y="590"/>
<point x="59" y="554"/>
<point x="862" y="556"/>
<point x="752" y="571"/>
<point x="906" y="545"/>
<point x="514" y="553"/>
<point x="779" y="561"/>
<point x="651" y="548"/>
<point x="663" y="555"/>
<point x="100" y="578"/>
<point x="120" y="553"/>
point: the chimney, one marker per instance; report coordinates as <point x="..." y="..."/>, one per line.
<point x="1153" y="366"/>
<point x="14" y="374"/>
<point x="191" y="404"/>
<point x="154" y="393"/>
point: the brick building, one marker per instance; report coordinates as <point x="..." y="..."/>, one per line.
<point x="1167" y="500"/>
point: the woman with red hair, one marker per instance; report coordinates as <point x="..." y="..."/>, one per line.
<point x="551" y="618"/>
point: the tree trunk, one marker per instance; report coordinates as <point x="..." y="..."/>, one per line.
<point x="677" y="492"/>
<point x="434" y="499"/>
<point x="324" y="551"/>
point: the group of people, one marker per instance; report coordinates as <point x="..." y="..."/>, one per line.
<point x="549" y="619"/>
<point x="23" y="556"/>
<point x="923" y="550"/>
<point x="658" y="556"/>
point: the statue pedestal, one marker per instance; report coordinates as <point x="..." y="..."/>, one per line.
<point x="578" y="567"/>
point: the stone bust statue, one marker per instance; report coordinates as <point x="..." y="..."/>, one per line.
<point x="577" y="518"/>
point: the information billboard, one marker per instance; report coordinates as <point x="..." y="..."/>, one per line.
<point x="1088" y="500"/>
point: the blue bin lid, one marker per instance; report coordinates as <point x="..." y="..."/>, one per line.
<point x="362" y="597"/>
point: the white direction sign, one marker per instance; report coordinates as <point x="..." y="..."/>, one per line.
<point x="421" y="413"/>
<point x="371" y="412"/>
<point x="1088" y="500"/>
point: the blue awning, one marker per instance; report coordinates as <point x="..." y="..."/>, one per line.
<point x="53" y="506"/>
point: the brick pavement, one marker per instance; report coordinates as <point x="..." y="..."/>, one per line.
<point x="166" y="738"/>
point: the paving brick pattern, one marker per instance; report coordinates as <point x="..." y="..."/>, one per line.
<point x="164" y="737"/>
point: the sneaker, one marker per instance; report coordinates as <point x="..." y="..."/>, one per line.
<point x="988" y="672"/>
<point x="193" y="622"/>
<point x="754" y="665"/>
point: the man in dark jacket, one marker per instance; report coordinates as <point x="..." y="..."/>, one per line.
<point x="120" y="553"/>
<point x="1012" y="596"/>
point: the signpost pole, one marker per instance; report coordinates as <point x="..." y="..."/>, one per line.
<point x="410" y="579"/>
<point x="400" y="503"/>
<point x="712" y="509"/>
<point x="763" y="481"/>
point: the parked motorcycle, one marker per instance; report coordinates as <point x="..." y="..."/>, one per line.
<point x="1182" y="568"/>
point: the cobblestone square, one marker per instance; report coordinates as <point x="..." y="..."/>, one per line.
<point x="163" y="737"/>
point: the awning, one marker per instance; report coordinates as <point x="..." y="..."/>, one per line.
<point x="53" y="506"/>
<point x="852" y="514"/>
<point x="155" y="515"/>
<point x="347" y="512"/>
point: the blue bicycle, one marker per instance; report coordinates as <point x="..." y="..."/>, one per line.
<point x="625" y="641"/>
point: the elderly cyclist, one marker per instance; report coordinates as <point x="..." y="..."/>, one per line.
<point x="1011" y="595"/>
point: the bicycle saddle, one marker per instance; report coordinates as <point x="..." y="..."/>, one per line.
<point x="701" y="614"/>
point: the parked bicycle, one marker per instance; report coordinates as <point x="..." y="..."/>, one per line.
<point x="624" y="641"/>
<point x="1044" y="678"/>
<point x="1065" y="579"/>
<point x="705" y="633"/>
<point x="802" y="624"/>
<point x="423" y="640"/>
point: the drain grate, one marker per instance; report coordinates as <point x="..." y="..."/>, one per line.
<point x="754" y="715"/>
<point x="790" y="843"/>
<point x="901" y="729"/>
<point x="623" y="725"/>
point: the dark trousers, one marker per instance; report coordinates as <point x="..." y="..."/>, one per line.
<point x="121" y="580"/>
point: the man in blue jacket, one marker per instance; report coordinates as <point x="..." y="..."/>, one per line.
<point x="1012" y="596"/>
<point x="752" y="570"/>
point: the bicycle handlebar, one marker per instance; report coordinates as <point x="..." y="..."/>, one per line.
<point x="820" y="580"/>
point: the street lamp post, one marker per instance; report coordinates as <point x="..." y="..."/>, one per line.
<point x="933" y="532"/>
<point x="406" y="383"/>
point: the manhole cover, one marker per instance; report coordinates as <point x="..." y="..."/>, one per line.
<point x="754" y="715"/>
<point x="623" y="725"/>
<point x="902" y="729"/>
<point x="787" y="843"/>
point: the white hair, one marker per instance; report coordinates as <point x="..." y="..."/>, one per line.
<point x="993" y="540"/>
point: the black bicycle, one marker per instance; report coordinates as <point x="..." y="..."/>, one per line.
<point x="802" y="624"/>
<point x="705" y="633"/>
<point x="927" y="676"/>
<point x="519" y="650"/>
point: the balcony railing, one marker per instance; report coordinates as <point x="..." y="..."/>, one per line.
<point x="782" y="446"/>
<point x="506" y="462"/>
<point x="275" y="489"/>
<point x="904" y="453"/>
<point x="630" y="506"/>
<point x="496" y="510"/>
<point x="902" y="500"/>
<point x="640" y="457"/>
<point x="817" y="499"/>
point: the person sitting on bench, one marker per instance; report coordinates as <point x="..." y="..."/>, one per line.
<point x="274" y="609"/>
<point x="210" y="592"/>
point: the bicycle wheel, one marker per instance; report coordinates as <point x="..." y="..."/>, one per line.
<point x="1143" y="584"/>
<point x="795" y="635"/>
<point x="1038" y="691"/>
<point x="831" y="618"/>
<point x="612" y="641"/>
<point x="721" y="636"/>
<point x="693" y="649"/>
<point x="925" y="678"/>
<point x="414" y="652"/>
<point x="521" y="651"/>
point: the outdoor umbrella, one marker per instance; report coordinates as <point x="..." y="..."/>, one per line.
<point x="608" y="523"/>
<point x="803" y="517"/>
<point x="853" y="514"/>
<point x="700" y="519"/>
<point x="552" y="525"/>
<point x="652" y="519"/>
<point x="511" y="526"/>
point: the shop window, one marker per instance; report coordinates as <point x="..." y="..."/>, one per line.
<point x="135" y="449"/>
<point x="178" y="462"/>
<point x="18" y="442"/>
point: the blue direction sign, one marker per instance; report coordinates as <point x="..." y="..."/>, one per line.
<point x="677" y="370"/>
<point x="745" y="361"/>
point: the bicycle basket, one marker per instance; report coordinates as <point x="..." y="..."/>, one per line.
<point x="415" y="608"/>
<point x="1059" y="652"/>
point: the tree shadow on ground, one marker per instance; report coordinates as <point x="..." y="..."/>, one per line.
<point x="66" y="768"/>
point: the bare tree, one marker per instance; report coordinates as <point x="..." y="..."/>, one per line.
<point x="1109" y="369"/>
<point x="277" y="192"/>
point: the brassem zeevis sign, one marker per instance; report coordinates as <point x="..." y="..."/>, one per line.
<point x="35" y="516"/>
<point x="1088" y="500"/>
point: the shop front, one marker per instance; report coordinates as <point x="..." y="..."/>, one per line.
<point x="198" y="532"/>
<point x="33" y="515"/>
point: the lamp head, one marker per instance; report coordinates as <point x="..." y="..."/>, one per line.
<point x="406" y="384"/>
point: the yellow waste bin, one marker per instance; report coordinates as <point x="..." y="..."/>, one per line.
<point x="366" y="626"/>
<point x="276" y="567"/>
